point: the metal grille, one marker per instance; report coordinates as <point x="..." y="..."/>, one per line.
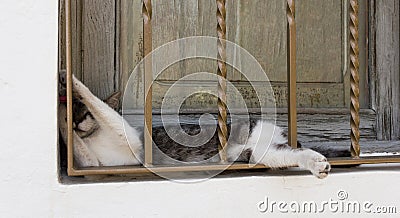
<point x="222" y="115"/>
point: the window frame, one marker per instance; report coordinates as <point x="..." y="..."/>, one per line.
<point x="356" y="159"/>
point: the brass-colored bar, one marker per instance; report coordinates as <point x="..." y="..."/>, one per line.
<point x="148" y="79"/>
<point x="354" y="80"/>
<point x="364" y="160"/>
<point x="291" y="74"/>
<point x="235" y="166"/>
<point x="162" y="169"/>
<point x="221" y="56"/>
<point x="68" y="39"/>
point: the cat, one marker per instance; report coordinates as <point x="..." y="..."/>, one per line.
<point x="103" y="138"/>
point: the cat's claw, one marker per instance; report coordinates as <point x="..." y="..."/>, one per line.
<point x="78" y="89"/>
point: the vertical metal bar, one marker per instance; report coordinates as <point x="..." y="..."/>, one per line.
<point x="354" y="79"/>
<point x="68" y="40"/>
<point x="221" y="56"/>
<point x="148" y="77"/>
<point x="291" y="74"/>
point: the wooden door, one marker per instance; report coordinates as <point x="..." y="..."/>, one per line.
<point x="260" y="27"/>
<point x="108" y="44"/>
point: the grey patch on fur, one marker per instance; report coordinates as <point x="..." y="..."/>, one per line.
<point x="299" y="144"/>
<point x="284" y="134"/>
<point x="169" y="150"/>
<point x="245" y="155"/>
<point x="281" y="146"/>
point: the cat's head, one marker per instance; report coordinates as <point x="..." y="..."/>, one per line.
<point x="84" y="123"/>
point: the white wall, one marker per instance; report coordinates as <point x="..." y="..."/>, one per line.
<point x="28" y="136"/>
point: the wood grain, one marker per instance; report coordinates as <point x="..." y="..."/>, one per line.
<point x="387" y="75"/>
<point x="61" y="36"/>
<point x="98" y="46"/>
<point x="76" y="18"/>
<point x="312" y="127"/>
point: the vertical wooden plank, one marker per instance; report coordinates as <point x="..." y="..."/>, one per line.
<point x="363" y="42"/>
<point x="167" y="22"/>
<point x="98" y="46"/>
<point x="319" y="40"/>
<point x="178" y="19"/>
<point x="76" y="40"/>
<point x="61" y="36"/>
<point x="371" y="53"/>
<point x="387" y="97"/>
<point x="117" y="45"/>
<point x="131" y="51"/>
<point x="263" y="33"/>
<point x="130" y="41"/>
<point x="233" y="27"/>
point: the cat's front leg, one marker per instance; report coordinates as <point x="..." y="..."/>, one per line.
<point x="315" y="162"/>
<point x="82" y="154"/>
<point x="103" y="114"/>
<point x="108" y="118"/>
<point x="280" y="156"/>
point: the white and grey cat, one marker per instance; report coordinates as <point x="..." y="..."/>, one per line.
<point x="103" y="138"/>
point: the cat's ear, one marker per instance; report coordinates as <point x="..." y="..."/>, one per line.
<point x="113" y="100"/>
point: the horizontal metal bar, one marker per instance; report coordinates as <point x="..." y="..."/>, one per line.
<point x="216" y="167"/>
<point x="161" y="169"/>
<point x="365" y="160"/>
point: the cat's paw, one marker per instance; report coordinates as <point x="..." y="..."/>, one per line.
<point x="78" y="89"/>
<point x="317" y="164"/>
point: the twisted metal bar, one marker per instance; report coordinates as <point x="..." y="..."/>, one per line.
<point x="354" y="80"/>
<point x="291" y="74"/>
<point x="221" y="56"/>
<point x="148" y="77"/>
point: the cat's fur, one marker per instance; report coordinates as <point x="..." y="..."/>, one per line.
<point x="103" y="138"/>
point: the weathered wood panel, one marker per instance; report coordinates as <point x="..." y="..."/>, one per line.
<point x="320" y="34"/>
<point x="260" y="27"/>
<point x="266" y="22"/>
<point x="130" y="46"/>
<point x="76" y="19"/>
<point x="98" y="46"/>
<point x="387" y="75"/>
<point x="107" y="59"/>
<point x="247" y="20"/>
<point x="312" y="127"/>
<point x="263" y="33"/>
<point x="61" y="35"/>
<point x="94" y="44"/>
<point x="320" y="95"/>
<point x="178" y="19"/>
